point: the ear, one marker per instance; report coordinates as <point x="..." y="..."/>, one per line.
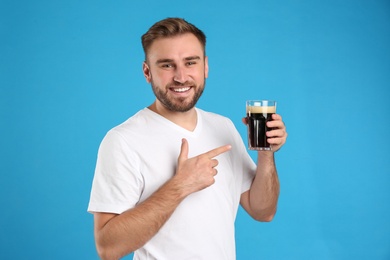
<point x="206" y="67"/>
<point x="146" y="70"/>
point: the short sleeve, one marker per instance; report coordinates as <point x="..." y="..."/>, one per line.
<point x="117" y="183"/>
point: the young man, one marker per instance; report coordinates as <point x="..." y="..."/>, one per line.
<point x="169" y="180"/>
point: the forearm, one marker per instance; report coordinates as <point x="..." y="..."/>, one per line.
<point x="264" y="192"/>
<point x="130" y="230"/>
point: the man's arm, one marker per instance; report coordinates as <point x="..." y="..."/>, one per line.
<point x="260" y="201"/>
<point x="118" y="235"/>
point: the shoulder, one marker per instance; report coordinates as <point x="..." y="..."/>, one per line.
<point x="138" y="122"/>
<point x="215" y="118"/>
<point x="211" y="115"/>
<point x="128" y="129"/>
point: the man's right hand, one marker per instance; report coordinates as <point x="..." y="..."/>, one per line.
<point x="198" y="172"/>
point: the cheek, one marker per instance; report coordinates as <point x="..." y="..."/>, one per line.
<point x="202" y="73"/>
<point x="162" y="78"/>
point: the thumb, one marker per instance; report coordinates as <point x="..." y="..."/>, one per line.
<point x="183" y="151"/>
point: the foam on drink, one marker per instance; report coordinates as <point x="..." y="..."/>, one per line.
<point x="261" y="109"/>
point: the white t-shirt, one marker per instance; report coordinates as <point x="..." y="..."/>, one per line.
<point x="138" y="156"/>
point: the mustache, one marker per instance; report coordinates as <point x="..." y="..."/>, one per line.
<point x="178" y="84"/>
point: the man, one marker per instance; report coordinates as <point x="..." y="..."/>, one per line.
<point x="169" y="180"/>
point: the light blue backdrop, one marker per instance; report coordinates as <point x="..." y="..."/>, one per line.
<point x="71" y="70"/>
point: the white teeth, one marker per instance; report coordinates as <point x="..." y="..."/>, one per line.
<point x="181" y="89"/>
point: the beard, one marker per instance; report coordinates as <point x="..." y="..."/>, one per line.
<point x="178" y="104"/>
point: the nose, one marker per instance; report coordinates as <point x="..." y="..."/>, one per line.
<point x="180" y="75"/>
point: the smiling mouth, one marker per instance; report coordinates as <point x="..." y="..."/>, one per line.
<point x="181" y="90"/>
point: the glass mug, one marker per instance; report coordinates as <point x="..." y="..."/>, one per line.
<point x="258" y="113"/>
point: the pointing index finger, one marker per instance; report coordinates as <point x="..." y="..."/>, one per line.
<point x="217" y="151"/>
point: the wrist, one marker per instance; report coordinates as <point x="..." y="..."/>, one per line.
<point x="177" y="187"/>
<point x="265" y="156"/>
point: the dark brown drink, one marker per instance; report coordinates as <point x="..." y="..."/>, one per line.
<point x="257" y="118"/>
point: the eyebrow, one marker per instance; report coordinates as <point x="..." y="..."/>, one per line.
<point x="192" y="58"/>
<point x="171" y="60"/>
<point x="164" y="61"/>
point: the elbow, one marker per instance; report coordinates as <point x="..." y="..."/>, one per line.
<point x="111" y="252"/>
<point x="105" y="252"/>
<point x="264" y="216"/>
<point x="267" y="218"/>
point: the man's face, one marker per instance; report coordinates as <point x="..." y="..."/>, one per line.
<point x="177" y="69"/>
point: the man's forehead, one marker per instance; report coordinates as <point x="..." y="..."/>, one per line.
<point x="177" y="47"/>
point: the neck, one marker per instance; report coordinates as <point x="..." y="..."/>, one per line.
<point x="187" y="120"/>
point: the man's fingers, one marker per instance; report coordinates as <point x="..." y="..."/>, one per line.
<point x="184" y="150"/>
<point x="276" y="117"/>
<point x="276" y="122"/>
<point x="210" y="154"/>
<point x="217" y="151"/>
<point x="214" y="163"/>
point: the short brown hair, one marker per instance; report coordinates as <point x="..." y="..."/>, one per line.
<point x="171" y="27"/>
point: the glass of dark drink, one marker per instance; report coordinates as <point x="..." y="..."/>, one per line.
<point x="258" y="113"/>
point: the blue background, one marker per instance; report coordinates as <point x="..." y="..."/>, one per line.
<point x="71" y="70"/>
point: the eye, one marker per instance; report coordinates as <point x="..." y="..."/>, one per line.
<point x="190" y="63"/>
<point x="166" y="65"/>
